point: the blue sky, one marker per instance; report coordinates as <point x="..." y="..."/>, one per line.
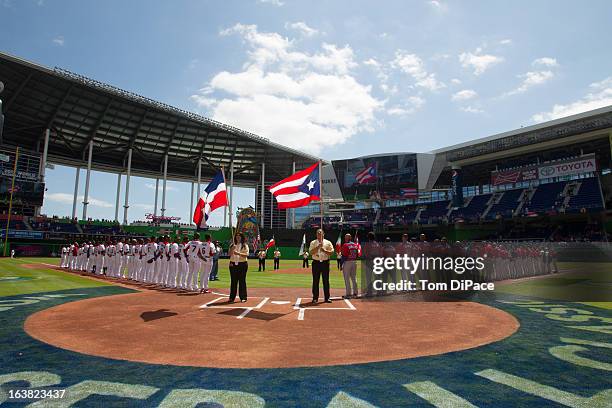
<point x="337" y="79"/>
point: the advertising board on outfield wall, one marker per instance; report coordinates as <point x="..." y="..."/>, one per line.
<point x="584" y="164"/>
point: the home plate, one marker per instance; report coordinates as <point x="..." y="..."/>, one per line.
<point x="280" y="302"/>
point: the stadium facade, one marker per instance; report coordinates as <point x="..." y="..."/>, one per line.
<point x="553" y="176"/>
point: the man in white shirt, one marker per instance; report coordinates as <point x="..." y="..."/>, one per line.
<point x="70" y="249"/>
<point x="163" y="260"/>
<point x="119" y="248"/>
<point x="207" y="251"/>
<point x="110" y="259"/>
<point x="321" y="249"/>
<point x="64" y="259"/>
<point x="149" y="257"/>
<point x="173" y="264"/>
<point x="183" y="270"/>
<point x="193" y="252"/>
<point x="101" y="266"/>
<point x="140" y="252"/>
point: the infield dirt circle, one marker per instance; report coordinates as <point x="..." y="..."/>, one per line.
<point x="275" y="328"/>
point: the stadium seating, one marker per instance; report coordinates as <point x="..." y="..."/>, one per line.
<point x="434" y="213"/>
<point x="54" y="225"/>
<point x="474" y="210"/>
<point x="14" y="225"/>
<point x="95" y="229"/>
<point x="397" y="216"/>
<point x="588" y="197"/>
<point x="506" y="205"/>
<point x="546" y="197"/>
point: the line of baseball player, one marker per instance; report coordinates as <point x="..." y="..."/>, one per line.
<point x="182" y="265"/>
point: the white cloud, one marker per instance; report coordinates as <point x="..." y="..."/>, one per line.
<point x="277" y="3"/>
<point x="464" y="95"/>
<point x="456" y="81"/>
<point x="506" y="41"/>
<point x="534" y="78"/>
<point x="272" y="48"/>
<point x="303" y="28"/>
<point x="412" y="104"/>
<point x="302" y="100"/>
<point x="413" y="66"/>
<point x="471" y="109"/>
<point x="59" y="40"/>
<point x="545" y="61"/>
<point x="66" y="198"/>
<point x="151" y="186"/>
<point x="600" y="95"/>
<point x="478" y="61"/>
<point x="371" y="62"/>
<point x="530" y="79"/>
<point x="438" y="5"/>
<point x="382" y="75"/>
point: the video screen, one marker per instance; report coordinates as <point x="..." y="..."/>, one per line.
<point x="24" y="192"/>
<point x="378" y="177"/>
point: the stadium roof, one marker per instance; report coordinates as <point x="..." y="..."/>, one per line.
<point x="593" y="120"/>
<point x="79" y="109"/>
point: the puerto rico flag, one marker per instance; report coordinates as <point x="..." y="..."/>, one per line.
<point x="299" y="189"/>
<point x="215" y="196"/>
<point x="408" y="192"/>
<point x="367" y="175"/>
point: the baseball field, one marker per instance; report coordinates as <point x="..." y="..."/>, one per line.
<point x="534" y="342"/>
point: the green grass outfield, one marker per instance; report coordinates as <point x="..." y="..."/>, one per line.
<point x="29" y="275"/>
<point x="588" y="283"/>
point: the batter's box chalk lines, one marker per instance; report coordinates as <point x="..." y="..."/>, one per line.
<point x="247" y="309"/>
<point x="263" y="302"/>
<point x="302" y="309"/>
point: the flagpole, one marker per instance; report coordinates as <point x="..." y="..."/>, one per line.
<point x="225" y="211"/>
<point x="321" y="192"/>
<point x="8" y="220"/>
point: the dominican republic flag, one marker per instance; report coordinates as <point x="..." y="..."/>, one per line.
<point x="408" y="192"/>
<point x="214" y="197"/>
<point x="299" y="189"/>
<point x="367" y="175"/>
<point x="271" y="243"/>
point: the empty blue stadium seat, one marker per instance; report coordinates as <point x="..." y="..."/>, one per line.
<point x="587" y="197"/>
<point x="474" y="210"/>
<point x="506" y="205"/>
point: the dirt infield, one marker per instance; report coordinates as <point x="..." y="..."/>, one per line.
<point x="35" y="266"/>
<point x="275" y="328"/>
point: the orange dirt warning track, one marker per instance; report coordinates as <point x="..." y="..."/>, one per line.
<point x="275" y="328"/>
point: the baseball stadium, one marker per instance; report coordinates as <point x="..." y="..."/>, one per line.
<point x="126" y="313"/>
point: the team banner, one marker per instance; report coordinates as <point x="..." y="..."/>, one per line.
<point x="581" y="165"/>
